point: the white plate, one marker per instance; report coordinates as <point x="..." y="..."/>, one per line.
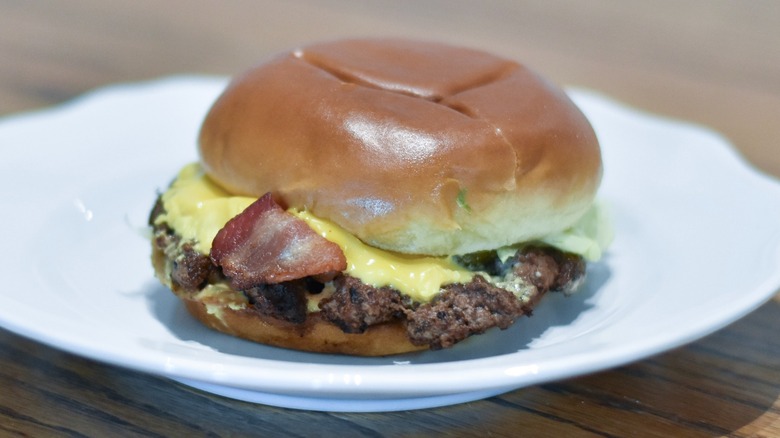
<point x="697" y="246"/>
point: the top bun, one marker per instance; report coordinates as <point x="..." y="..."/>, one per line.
<point x="412" y="146"/>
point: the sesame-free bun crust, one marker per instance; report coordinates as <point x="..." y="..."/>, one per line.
<point x="314" y="335"/>
<point x="412" y="146"/>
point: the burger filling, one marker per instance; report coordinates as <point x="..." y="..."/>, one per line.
<point x="287" y="264"/>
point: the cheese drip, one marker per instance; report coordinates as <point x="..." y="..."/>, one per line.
<point x="196" y="208"/>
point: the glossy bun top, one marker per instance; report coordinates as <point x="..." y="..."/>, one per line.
<point x="412" y="146"/>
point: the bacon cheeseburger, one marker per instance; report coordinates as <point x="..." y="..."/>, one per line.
<point x="374" y="197"/>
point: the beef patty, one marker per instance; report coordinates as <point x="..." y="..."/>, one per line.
<point x="501" y="292"/>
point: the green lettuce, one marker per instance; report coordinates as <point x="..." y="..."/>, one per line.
<point x="588" y="237"/>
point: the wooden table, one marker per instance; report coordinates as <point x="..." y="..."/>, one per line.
<point x="712" y="62"/>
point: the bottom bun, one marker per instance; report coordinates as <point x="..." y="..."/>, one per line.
<point x="315" y="334"/>
<point x="218" y="310"/>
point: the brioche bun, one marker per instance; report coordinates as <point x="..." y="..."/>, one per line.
<point x="413" y="147"/>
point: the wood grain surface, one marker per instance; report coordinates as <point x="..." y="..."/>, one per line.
<point x="715" y="63"/>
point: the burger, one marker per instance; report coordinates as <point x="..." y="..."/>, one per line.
<point x="380" y="196"/>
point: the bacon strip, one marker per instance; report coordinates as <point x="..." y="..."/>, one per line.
<point x="265" y="245"/>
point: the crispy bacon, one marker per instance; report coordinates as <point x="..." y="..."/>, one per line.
<point x="265" y="244"/>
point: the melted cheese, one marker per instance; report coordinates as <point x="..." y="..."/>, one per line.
<point x="197" y="209"/>
<point x="417" y="276"/>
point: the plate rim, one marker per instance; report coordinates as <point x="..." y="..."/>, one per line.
<point x="502" y="378"/>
